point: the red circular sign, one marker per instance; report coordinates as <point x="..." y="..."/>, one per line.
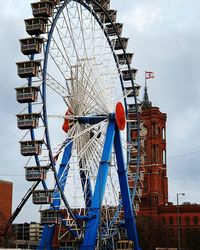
<point x="120" y="116"/>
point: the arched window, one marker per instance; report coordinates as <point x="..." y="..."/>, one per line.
<point x="171" y="221"/>
<point x="164" y="157"/>
<point x="163" y="134"/>
<point x="163" y="220"/>
<point x="179" y="220"/>
<point x="154" y="128"/>
<point x="187" y="220"/>
<point x="155" y="153"/>
<point x="196" y="220"/>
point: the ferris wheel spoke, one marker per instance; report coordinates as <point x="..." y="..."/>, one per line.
<point x="55" y="85"/>
<point x="72" y="32"/>
<point x="89" y="143"/>
<point x="84" y="131"/>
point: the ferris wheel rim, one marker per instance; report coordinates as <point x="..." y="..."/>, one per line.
<point x="45" y="66"/>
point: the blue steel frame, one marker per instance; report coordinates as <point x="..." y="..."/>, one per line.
<point x="48" y="231"/>
<point x="92" y="225"/>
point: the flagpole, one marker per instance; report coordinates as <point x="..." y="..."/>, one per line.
<point x="145" y="80"/>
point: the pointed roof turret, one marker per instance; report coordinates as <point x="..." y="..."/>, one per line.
<point x="146" y="103"/>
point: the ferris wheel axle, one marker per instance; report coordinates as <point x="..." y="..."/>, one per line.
<point x="95" y="119"/>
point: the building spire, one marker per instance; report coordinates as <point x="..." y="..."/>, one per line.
<point x="146" y="103"/>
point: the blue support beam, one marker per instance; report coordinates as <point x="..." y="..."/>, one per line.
<point x="94" y="212"/>
<point x="130" y="223"/>
<point x="86" y="185"/>
<point x="62" y="173"/>
<point x="48" y="231"/>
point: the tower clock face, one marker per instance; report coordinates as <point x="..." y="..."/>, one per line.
<point x="143" y="131"/>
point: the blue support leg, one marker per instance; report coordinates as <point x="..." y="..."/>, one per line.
<point x="86" y="185"/>
<point x="48" y="231"/>
<point x="130" y="223"/>
<point x="94" y="212"/>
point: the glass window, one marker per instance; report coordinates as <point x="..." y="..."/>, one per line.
<point x="164" y="157"/>
<point x="163" y="220"/>
<point x="155" y="153"/>
<point x="171" y="220"/>
<point x="179" y="220"/>
<point x="154" y="128"/>
<point x="196" y="221"/>
<point x="187" y="220"/>
<point x="163" y="133"/>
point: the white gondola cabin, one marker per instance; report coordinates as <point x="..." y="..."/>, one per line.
<point x="40" y="197"/>
<point x="36" y="26"/>
<point x="124" y="245"/>
<point x="127" y="76"/>
<point x="139" y="191"/>
<point x="134" y="125"/>
<point x="134" y="143"/>
<point x="104" y="3"/>
<point x="50" y="216"/>
<point x="28" y="68"/>
<point x="132" y="108"/>
<point x="28" y="121"/>
<point x="136" y="205"/>
<point x="32" y="45"/>
<point x="120" y="45"/>
<point x="122" y="58"/>
<point x="36" y="173"/>
<point x="140" y="175"/>
<point x="129" y="91"/>
<point x="112" y="14"/>
<point x="29" y="148"/>
<point x="133" y="160"/>
<point x="111" y="31"/>
<point x="27" y="94"/>
<point x="55" y="2"/>
<point x="42" y="9"/>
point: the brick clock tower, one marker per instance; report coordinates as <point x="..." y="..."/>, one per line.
<point x="155" y="190"/>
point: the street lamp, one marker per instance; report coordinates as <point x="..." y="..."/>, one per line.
<point x="178" y="221"/>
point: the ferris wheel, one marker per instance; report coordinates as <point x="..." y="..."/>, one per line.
<point x="78" y="142"/>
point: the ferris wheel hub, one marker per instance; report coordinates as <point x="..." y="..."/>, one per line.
<point x="120" y="116"/>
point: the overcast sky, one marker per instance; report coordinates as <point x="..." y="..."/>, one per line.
<point x="165" y="38"/>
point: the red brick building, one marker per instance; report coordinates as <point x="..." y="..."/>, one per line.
<point x="154" y="203"/>
<point x="5" y="200"/>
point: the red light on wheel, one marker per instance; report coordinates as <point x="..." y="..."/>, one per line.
<point x="120" y="116"/>
<point x="68" y="123"/>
